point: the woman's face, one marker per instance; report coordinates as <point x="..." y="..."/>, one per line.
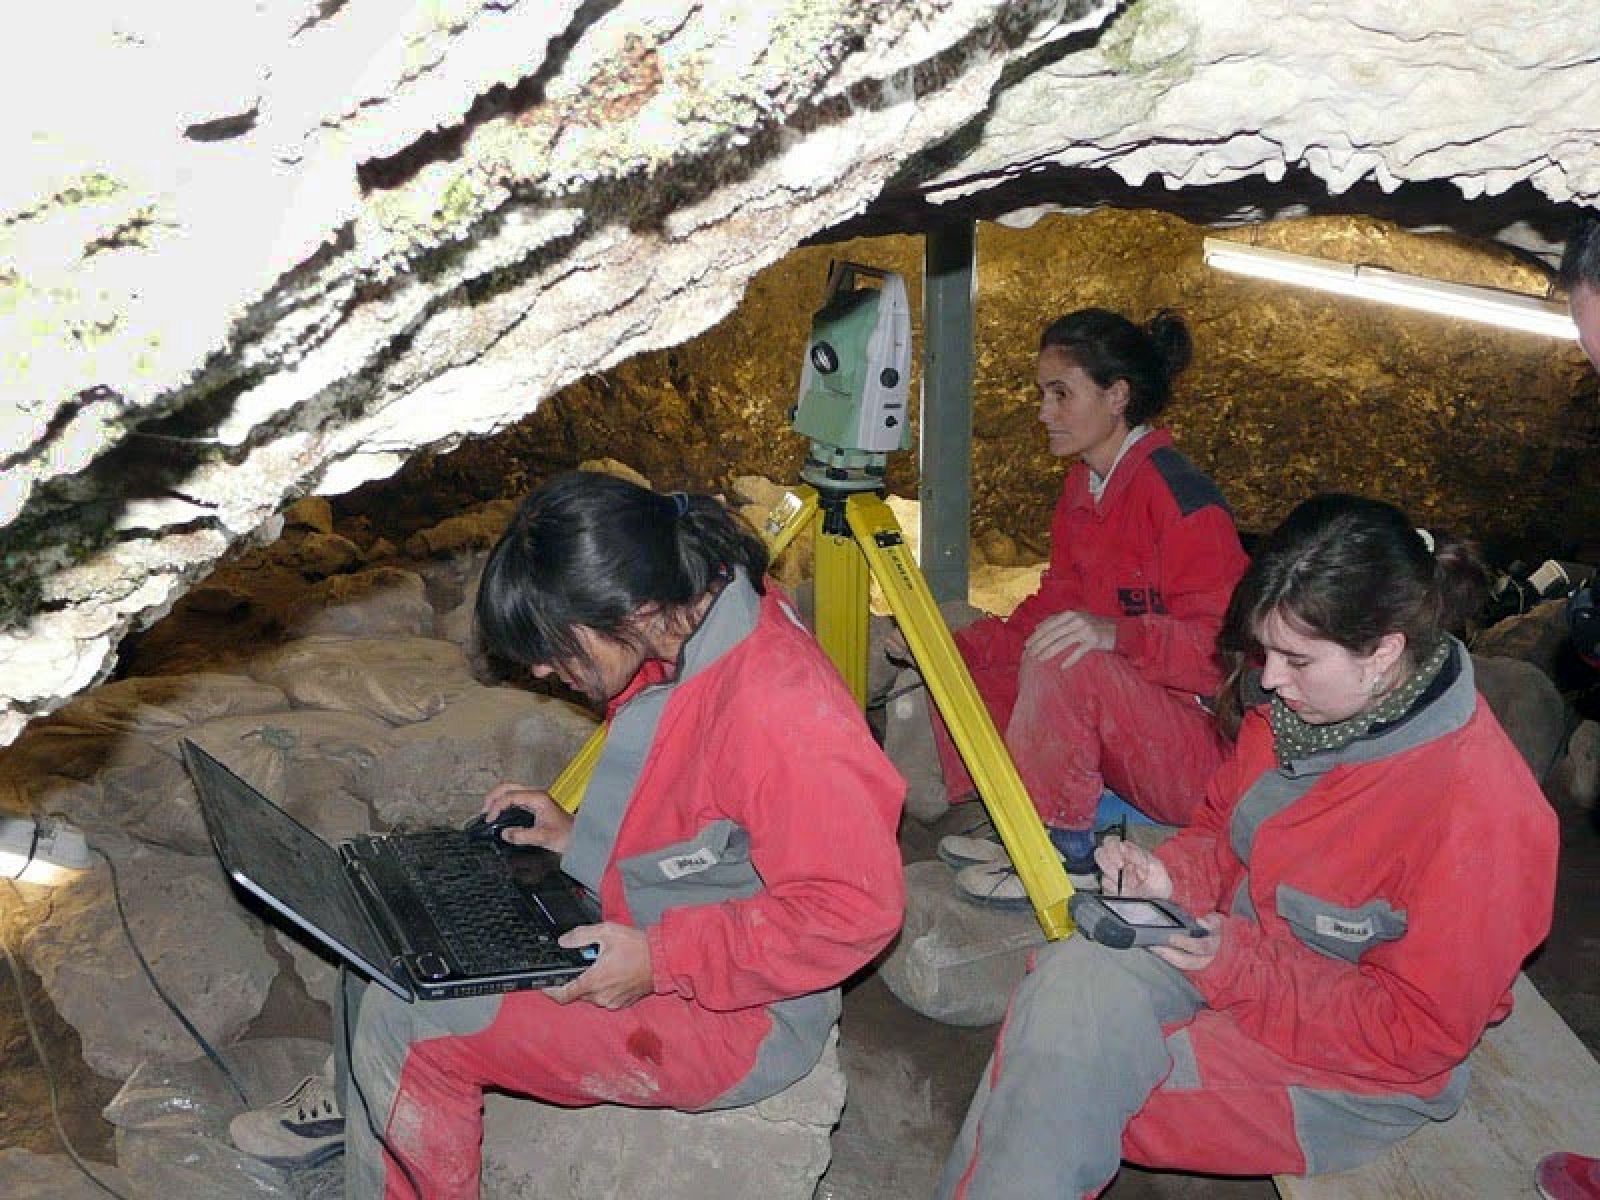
<point x="1079" y="416"/>
<point x="611" y="666"/>
<point x="1321" y="681"/>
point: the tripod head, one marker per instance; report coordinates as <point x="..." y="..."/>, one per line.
<point x="855" y="378"/>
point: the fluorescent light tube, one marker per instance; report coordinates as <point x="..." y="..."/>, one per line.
<point x="1511" y="310"/>
<point x="44" y="852"/>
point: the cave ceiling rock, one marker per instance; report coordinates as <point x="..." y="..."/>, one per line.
<point x="363" y="229"/>
<point x="1493" y="100"/>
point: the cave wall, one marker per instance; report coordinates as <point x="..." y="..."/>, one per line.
<point x="1479" y="430"/>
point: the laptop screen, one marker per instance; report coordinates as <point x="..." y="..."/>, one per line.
<point x="275" y="857"/>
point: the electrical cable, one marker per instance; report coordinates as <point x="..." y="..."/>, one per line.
<point x="44" y="1062"/>
<point x="116" y="895"/>
<point x="33" y="849"/>
<point x="889" y="698"/>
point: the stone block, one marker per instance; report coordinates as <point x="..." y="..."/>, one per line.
<point x="206" y="949"/>
<point x="397" y="680"/>
<point x="31" y="1176"/>
<point x="777" y="1149"/>
<point x="908" y="741"/>
<point x="312" y="763"/>
<point x="1527" y="704"/>
<point x="309" y="512"/>
<point x="319" y="555"/>
<point x="440" y="769"/>
<point x="538" y="747"/>
<point x="957" y="961"/>
<point x="1534" y="636"/>
<point x="379" y="602"/>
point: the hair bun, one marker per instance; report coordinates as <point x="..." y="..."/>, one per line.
<point x="1170" y="334"/>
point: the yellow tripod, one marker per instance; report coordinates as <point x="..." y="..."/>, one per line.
<point x="856" y="533"/>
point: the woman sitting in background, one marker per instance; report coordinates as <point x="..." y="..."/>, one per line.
<point x="1096" y="680"/>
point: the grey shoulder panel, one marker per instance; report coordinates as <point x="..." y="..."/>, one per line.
<point x="1191" y="488"/>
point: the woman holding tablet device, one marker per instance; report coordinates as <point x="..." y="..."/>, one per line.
<point x="1370" y="869"/>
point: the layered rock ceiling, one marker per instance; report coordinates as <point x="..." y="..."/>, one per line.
<point x="255" y="249"/>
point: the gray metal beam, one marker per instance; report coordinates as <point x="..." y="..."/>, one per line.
<point x="945" y="448"/>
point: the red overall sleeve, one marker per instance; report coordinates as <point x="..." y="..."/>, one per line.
<point x="1477" y="902"/>
<point x="820" y="803"/>
<point x="1200" y="859"/>
<point x="1200" y="562"/>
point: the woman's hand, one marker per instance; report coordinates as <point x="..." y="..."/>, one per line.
<point x="620" y="975"/>
<point x="1130" y="870"/>
<point x="1072" y="635"/>
<point x="552" y="827"/>
<point x="1193" y="953"/>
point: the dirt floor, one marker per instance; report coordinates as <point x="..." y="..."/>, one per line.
<point x="909" y="1077"/>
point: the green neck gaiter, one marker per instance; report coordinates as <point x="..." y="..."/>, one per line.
<point x="1294" y="739"/>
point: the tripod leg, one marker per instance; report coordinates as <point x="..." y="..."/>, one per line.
<point x="841" y="600"/>
<point x="567" y="790"/>
<point x="789" y="516"/>
<point x="875" y="530"/>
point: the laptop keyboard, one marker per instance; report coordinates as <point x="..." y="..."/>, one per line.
<point x="481" y="915"/>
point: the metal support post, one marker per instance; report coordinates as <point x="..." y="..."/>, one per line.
<point x="945" y="444"/>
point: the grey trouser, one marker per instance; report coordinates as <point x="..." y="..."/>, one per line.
<point x="1080" y="1051"/>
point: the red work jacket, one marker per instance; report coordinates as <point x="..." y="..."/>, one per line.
<point x="1380" y="899"/>
<point x="1158" y="553"/>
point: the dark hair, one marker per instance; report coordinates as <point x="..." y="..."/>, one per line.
<point x="1350" y="570"/>
<point x="1110" y="347"/>
<point x="1580" y="261"/>
<point x="590" y="549"/>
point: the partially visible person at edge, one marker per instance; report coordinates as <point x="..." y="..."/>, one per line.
<point x="1098" y="680"/>
<point x="739" y="831"/>
<point x="1568" y="1175"/>
<point x="1580" y="275"/>
<point x="1372" y="865"/>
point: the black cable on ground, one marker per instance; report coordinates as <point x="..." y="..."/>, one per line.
<point x="116" y="895"/>
<point x="44" y="1063"/>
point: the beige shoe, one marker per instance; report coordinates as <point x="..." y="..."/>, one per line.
<point x="303" y="1129"/>
<point x="962" y="850"/>
<point x="994" y="885"/>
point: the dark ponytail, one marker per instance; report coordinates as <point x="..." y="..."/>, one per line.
<point x="590" y="550"/>
<point x="1350" y="570"/>
<point x="1110" y="347"/>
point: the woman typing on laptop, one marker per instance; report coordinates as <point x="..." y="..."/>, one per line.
<point x="739" y="831"/>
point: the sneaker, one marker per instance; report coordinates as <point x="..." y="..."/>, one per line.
<point x="974" y="845"/>
<point x="997" y="885"/>
<point x="960" y="850"/>
<point x="994" y="885"/>
<point x="982" y="848"/>
<point x="1568" y="1177"/>
<point x="303" y="1129"/>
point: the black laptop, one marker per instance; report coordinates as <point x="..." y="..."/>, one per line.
<point x="428" y="915"/>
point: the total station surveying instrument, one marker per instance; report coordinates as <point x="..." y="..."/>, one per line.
<point x="854" y="387"/>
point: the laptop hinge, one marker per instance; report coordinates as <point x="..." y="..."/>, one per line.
<point x="386" y="925"/>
